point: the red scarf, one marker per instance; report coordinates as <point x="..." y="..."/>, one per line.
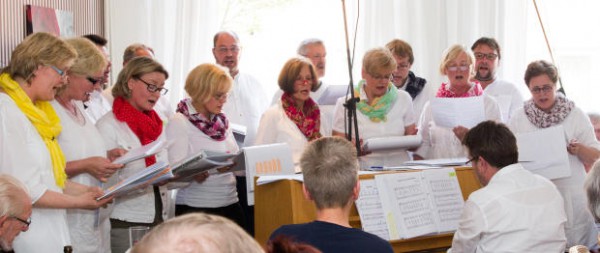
<point x="310" y="123"/>
<point x="147" y="126"/>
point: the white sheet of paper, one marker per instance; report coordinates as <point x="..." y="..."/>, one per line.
<point x="504" y="104"/>
<point x="370" y="210"/>
<point x="331" y="94"/>
<point x="392" y="142"/>
<point x="439" y="162"/>
<point x="451" y="112"/>
<point x="544" y="152"/>
<point x="274" y="178"/>
<point x="141" y="152"/>
<point x="447" y="199"/>
<point x="270" y="159"/>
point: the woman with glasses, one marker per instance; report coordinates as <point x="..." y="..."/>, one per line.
<point x="295" y="119"/>
<point x="548" y="108"/>
<point x="201" y="125"/>
<point x="383" y="110"/>
<point x="131" y="124"/>
<point x="82" y="144"/>
<point x="442" y="142"/>
<point x="29" y="150"/>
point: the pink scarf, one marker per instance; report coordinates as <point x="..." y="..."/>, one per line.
<point x="216" y="128"/>
<point x="445" y="92"/>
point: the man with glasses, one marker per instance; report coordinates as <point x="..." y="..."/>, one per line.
<point x="516" y="210"/>
<point x="487" y="59"/>
<point x="245" y="104"/>
<point x="15" y="211"/>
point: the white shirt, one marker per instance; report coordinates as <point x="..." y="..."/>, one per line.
<point x="326" y="110"/>
<point x="507" y="96"/>
<point x="276" y="127"/>
<point x="516" y="212"/>
<point x="24" y="155"/>
<point x="441" y="142"/>
<point x="245" y="104"/>
<point x="398" y="117"/>
<point x="79" y="141"/>
<point x="97" y="106"/>
<point x="420" y="100"/>
<point x="217" y="190"/>
<point x="137" y="206"/>
<point x="580" y="227"/>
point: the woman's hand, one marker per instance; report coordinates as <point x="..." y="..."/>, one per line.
<point x="201" y="177"/>
<point x="101" y="168"/>
<point x="115" y="153"/>
<point x="587" y="155"/>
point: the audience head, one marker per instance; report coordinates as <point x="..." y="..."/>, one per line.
<point x="330" y="170"/>
<point x="595" y="119"/>
<point x="87" y="71"/>
<point x="314" y="49"/>
<point x="541" y="77"/>
<point x="137" y="50"/>
<point x="42" y="59"/>
<point x="487" y="56"/>
<point x="208" y="85"/>
<point x="592" y="189"/>
<point x="297" y="78"/>
<point x="403" y="55"/>
<point x="226" y="49"/>
<point x="101" y="43"/>
<point x="457" y="64"/>
<point x="377" y="68"/>
<point x="141" y="82"/>
<point x="491" y="146"/>
<point x="197" y="233"/>
<point x="15" y="210"/>
<point x="283" y="244"/>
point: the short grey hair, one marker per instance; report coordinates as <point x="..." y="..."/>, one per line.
<point x="12" y="192"/>
<point x="330" y="169"/>
<point x="592" y="189"/>
<point x="594" y="117"/>
<point x="131" y="51"/>
<point x="303" y="47"/>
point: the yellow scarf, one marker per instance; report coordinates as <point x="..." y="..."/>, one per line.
<point x="45" y="120"/>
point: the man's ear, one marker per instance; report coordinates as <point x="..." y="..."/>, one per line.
<point x="356" y="190"/>
<point x="306" y="193"/>
<point x="3" y="223"/>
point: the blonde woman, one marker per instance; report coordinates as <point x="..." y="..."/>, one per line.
<point x="200" y="124"/>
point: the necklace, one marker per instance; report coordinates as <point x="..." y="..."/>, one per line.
<point x="72" y="110"/>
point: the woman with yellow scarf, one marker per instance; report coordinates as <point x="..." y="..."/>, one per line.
<point x="29" y="149"/>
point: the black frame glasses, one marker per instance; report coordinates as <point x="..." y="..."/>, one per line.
<point x="154" y="88"/>
<point x="92" y="80"/>
<point x="25" y="222"/>
<point x="490" y="56"/>
<point x="471" y="160"/>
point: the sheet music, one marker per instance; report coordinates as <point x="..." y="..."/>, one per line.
<point x="462" y="161"/>
<point x="451" y="112"/>
<point x="551" y="161"/>
<point x="392" y="142"/>
<point x="504" y="104"/>
<point x="331" y="94"/>
<point x="406" y="205"/>
<point x="370" y="210"/>
<point x="447" y="199"/>
<point x="141" y="152"/>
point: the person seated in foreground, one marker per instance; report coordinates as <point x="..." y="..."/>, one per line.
<point x="197" y="233"/>
<point x="516" y="210"/>
<point x="330" y="169"/>
<point x="15" y="210"/>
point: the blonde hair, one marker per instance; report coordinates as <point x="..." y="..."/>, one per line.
<point x="451" y="54"/>
<point x="39" y="49"/>
<point x="290" y="71"/>
<point x="136" y="68"/>
<point x="12" y="192"/>
<point x="378" y="60"/>
<point x="90" y="59"/>
<point x="197" y="233"/>
<point x="206" y="80"/>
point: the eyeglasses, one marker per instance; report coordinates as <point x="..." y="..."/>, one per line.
<point x="92" y="80"/>
<point x="545" y="89"/>
<point x="304" y="80"/>
<point x="456" y="68"/>
<point x="490" y="56"/>
<point x="220" y="96"/>
<point x="233" y="49"/>
<point x="471" y="160"/>
<point x="382" y="77"/>
<point x="154" y="88"/>
<point x="25" y="222"/>
<point x="60" y="72"/>
<point x="403" y="66"/>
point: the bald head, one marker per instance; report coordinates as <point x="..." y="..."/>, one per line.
<point x="226" y="50"/>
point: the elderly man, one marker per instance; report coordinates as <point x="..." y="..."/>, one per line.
<point x="15" y="211"/>
<point x="516" y="210"/>
<point x="487" y="59"/>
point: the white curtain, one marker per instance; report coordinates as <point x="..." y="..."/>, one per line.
<point x="180" y="32"/>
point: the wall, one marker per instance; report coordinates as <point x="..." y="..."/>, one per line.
<point x="88" y="17"/>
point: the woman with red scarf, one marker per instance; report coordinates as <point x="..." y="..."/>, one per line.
<point x="201" y="125"/>
<point x="441" y="142"/>
<point x="296" y="118"/>
<point x="133" y="123"/>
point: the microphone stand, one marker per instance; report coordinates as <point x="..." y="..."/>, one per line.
<point x="350" y="104"/>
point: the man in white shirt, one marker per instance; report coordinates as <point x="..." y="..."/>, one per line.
<point x="487" y="59"/>
<point x="516" y="210"/>
<point x="98" y="105"/>
<point x="245" y="104"/>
